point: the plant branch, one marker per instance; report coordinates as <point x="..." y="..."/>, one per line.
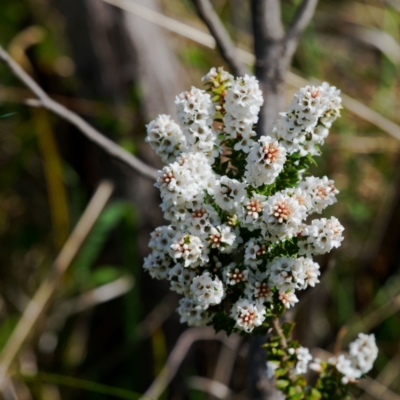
<point x="43" y="295"/>
<point x="44" y="101"/>
<point x="178" y="354"/>
<point x="268" y="20"/>
<point x="224" y="42"/>
<point x="276" y="325"/>
<point x="302" y="18"/>
<point x="353" y="106"/>
<point x="271" y="64"/>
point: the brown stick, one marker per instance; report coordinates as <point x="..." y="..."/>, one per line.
<point x="274" y="51"/>
<point x="43" y="100"/>
<point x="176" y="357"/>
<point x="43" y="295"/>
<point x="221" y="36"/>
<point x="302" y="18"/>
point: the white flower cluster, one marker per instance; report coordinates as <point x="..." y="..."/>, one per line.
<point x="360" y="360"/>
<point x="265" y="161"/>
<point x="303" y="357"/>
<point x="195" y="112"/>
<point x="238" y="247"/>
<point x="307" y="121"/>
<point x="166" y="138"/>
<point x="242" y="105"/>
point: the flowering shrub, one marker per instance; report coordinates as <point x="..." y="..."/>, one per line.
<point x="240" y="243"/>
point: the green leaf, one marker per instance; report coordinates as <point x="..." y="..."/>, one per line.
<point x="314" y="395"/>
<point x="297" y="396"/>
<point x="287" y="328"/>
<point x="104" y="274"/>
<point x="95" y="242"/>
<point x="7" y="115"/>
<point x="280" y="372"/>
<point x="70" y="381"/>
<point x="6" y="328"/>
<point x="282" y="383"/>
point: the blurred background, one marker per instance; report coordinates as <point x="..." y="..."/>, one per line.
<point x="110" y="328"/>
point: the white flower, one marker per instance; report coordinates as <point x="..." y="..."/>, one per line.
<point x="175" y="271"/>
<point x="321" y="236"/>
<point x="196" y="111"/>
<point x="322" y="192"/>
<point x="311" y="270"/>
<point x="244" y="97"/>
<point x="206" y="291"/>
<point x="316" y="365"/>
<point x="364" y="352"/>
<point x="283" y="215"/>
<point x="304" y="125"/>
<point x="175" y="213"/>
<point x="229" y="193"/>
<point x="240" y="127"/>
<point x="157" y="265"/>
<point x="258" y="288"/>
<point x="198" y="165"/>
<point x="303" y="358"/>
<point x="216" y="76"/>
<point x="200" y="220"/>
<point x="181" y="278"/>
<point x="302" y="197"/>
<point x="235" y="275"/>
<point x="250" y="211"/>
<point x="177" y="185"/>
<point x="158" y="262"/>
<point x="288" y="299"/>
<point x="161" y="237"/>
<point x="222" y="238"/>
<point x="166" y="138"/>
<point x="345" y="366"/>
<point x="265" y="161"/>
<point x="188" y="248"/>
<point x="287" y="273"/>
<point x="244" y="145"/>
<point x="334" y="104"/>
<point x="194" y="105"/>
<point x="248" y="315"/>
<point x="192" y="313"/>
<point x="186" y="179"/>
<point x="253" y="253"/>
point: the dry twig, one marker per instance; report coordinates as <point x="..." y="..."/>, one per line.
<point x="43" y="295"/>
<point x="177" y="356"/>
<point x="274" y="51"/>
<point x="44" y="101"/>
<point x="212" y="387"/>
<point x="223" y="41"/>
<point x="351" y="105"/>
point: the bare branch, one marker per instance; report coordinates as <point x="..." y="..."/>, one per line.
<point x="212" y="387"/>
<point x="302" y="18"/>
<point x="267" y="20"/>
<point x="178" y="354"/>
<point x="353" y="106"/>
<point x="271" y="64"/>
<point x="89" y="131"/>
<point x="224" y="42"/>
<point x="43" y="295"/>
